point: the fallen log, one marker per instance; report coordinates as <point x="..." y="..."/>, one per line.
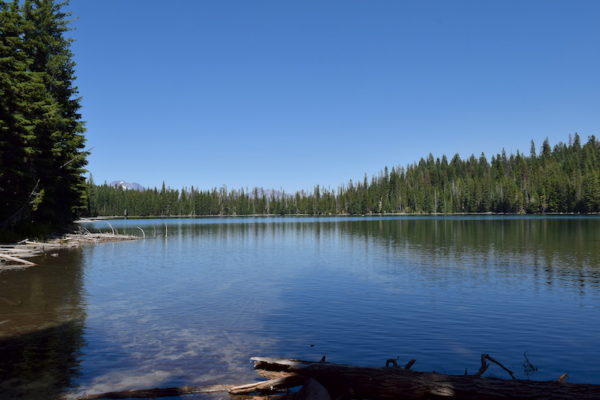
<point x="400" y="383"/>
<point x="16" y="259"/>
<point x="312" y="390"/>
<point x="270" y="386"/>
<point x="386" y="383"/>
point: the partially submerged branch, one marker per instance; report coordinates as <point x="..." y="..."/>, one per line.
<point x="484" y="366"/>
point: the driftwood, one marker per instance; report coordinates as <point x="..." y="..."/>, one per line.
<point x="16" y="259"/>
<point x="273" y="385"/>
<point x="313" y="390"/>
<point x="15" y="254"/>
<point x="401" y="383"/>
<point x="325" y="381"/>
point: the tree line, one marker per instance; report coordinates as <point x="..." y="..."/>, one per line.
<point x="42" y="182"/>
<point x="564" y="178"/>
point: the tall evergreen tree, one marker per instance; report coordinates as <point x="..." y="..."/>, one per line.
<point x="41" y="132"/>
<point x="59" y="139"/>
<point x="23" y="105"/>
<point x="13" y="133"/>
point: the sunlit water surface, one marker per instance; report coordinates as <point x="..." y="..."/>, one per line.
<point x="194" y="300"/>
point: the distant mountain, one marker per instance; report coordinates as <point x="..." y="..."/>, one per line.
<point x="278" y="194"/>
<point x="126" y="185"/>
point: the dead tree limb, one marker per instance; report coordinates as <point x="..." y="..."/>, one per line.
<point x="484" y="365"/>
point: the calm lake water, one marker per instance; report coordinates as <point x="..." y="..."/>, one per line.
<point x="192" y="307"/>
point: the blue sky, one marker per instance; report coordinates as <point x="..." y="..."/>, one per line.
<point x="289" y="94"/>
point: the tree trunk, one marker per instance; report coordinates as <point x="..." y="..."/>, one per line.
<point x="386" y="383"/>
<point x="400" y="383"/>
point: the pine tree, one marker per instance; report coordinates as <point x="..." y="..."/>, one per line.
<point x="23" y="104"/>
<point x="12" y="132"/>
<point x="59" y="140"/>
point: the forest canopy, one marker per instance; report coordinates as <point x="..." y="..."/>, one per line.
<point x="560" y="179"/>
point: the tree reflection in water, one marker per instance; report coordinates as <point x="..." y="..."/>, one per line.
<point x="41" y="327"/>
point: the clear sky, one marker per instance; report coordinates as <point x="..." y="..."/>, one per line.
<point x="289" y="94"/>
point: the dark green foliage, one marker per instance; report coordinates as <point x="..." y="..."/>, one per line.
<point x="59" y="139"/>
<point x="18" y="88"/>
<point x="563" y="179"/>
<point x="41" y="142"/>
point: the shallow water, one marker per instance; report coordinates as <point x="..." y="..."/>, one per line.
<point x="192" y="307"/>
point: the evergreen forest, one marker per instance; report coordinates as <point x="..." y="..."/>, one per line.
<point x="564" y="178"/>
<point x="42" y="183"/>
<point x="42" y="158"/>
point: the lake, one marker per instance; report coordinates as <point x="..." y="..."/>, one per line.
<point x="192" y="306"/>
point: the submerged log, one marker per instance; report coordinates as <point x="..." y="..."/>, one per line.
<point x="401" y="383"/>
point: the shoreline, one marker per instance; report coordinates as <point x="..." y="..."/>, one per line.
<point x="16" y="255"/>
<point x="111" y="217"/>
